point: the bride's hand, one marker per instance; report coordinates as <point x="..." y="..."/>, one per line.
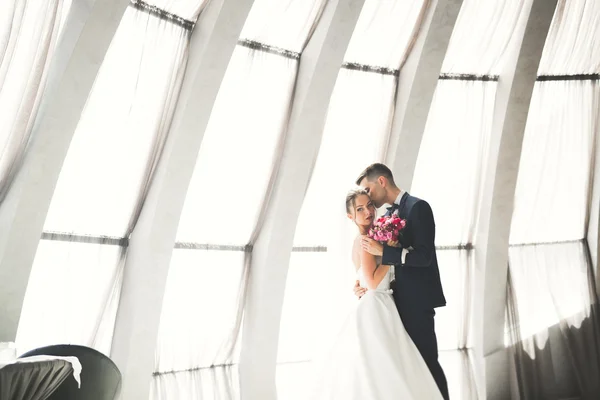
<point x="392" y="243"/>
<point x="358" y="290"/>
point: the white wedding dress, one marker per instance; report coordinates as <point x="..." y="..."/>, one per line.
<point x="373" y="357"/>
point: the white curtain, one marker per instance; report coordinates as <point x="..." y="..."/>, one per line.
<point x="553" y="321"/>
<point x="197" y="350"/>
<point x="72" y="295"/>
<point x="482" y="36"/>
<point x="356" y="134"/>
<point x="553" y="308"/>
<point x="29" y="32"/>
<point x="451" y="164"/>
<point x="556" y="181"/>
<point x="385" y="32"/>
<point x="104" y="181"/>
<point x="265" y="81"/>
<point x="572" y="45"/>
<point x="200" y="326"/>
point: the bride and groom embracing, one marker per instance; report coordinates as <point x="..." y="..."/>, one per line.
<point x="387" y="348"/>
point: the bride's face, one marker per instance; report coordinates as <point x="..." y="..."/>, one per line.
<point x="364" y="211"/>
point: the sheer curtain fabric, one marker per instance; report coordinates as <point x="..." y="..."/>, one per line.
<point x="553" y="308"/>
<point x="29" y="32"/>
<point x="200" y="327"/>
<point x="104" y="181"/>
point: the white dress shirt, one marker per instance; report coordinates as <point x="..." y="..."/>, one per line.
<point x="399" y="197"/>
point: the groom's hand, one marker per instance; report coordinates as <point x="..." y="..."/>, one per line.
<point x="358" y="290"/>
<point x="372" y="246"/>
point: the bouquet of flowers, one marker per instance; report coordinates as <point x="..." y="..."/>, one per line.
<point x="387" y="229"/>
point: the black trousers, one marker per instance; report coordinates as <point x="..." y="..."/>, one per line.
<point x="421" y="328"/>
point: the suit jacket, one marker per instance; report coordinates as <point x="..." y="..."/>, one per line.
<point x="417" y="284"/>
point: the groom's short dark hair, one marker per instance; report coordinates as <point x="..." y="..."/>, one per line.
<point x="374" y="171"/>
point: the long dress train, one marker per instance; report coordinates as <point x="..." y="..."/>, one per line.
<point x="373" y="357"/>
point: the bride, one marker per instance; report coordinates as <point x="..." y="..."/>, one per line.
<point x="373" y="357"/>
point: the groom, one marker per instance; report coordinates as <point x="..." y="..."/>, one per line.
<point x="417" y="287"/>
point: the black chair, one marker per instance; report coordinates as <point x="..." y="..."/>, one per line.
<point x="100" y="377"/>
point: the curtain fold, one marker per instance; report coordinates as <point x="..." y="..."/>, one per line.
<point x="556" y="352"/>
<point x="553" y="320"/>
<point x="459" y="367"/>
<point x="78" y="268"/>
<point x="29" y="31"/>
<point x="563" y="121"/>
<point x="197" y="351"/>
<point x="525" y="352"/>
<point x="572" y="46"/>
<point x="450" y="167"/>
<point x="72" y="295"/>
<point x="485" y="52"/>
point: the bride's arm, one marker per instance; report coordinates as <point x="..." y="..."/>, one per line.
<point x="373" y="275"/>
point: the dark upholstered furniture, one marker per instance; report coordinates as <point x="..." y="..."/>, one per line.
<point x="100" y="377"/>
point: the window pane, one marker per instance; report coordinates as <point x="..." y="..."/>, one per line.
<point x="317" y="299"/>
<point x="570" y="47"/>
<point x="238" y="150"/>
<point x="308" y="320"/>
<point x="198" y="340"/>
<point x="118" y="136"/>
<point x="385" y="31"/>
<point x="293" y="380"/>
<point x="459" y="368"/>
<point x="201" y="301"/>
<point x="286" y="24"/>
<point x="551" y="284"/>
<point x="553" y="186"/>
<point x="483" y="36"/>
<point x="243" y="139"/>
<point x="451" y="164"/>
<point x="453" y="322"/>
<point x="72" y="295"/>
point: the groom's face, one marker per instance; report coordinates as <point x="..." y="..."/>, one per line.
<point x="376" y="191"/>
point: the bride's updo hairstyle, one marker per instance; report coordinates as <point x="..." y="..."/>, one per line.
<point x="351" y="198"/>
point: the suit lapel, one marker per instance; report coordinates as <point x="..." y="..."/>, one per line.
<point x="402" y="205"/>
<point x="405" y="235"/>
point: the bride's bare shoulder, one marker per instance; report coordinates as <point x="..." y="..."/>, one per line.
<point x="356" y="243"/>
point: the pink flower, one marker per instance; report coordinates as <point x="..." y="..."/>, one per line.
<point x="387" y="228"/>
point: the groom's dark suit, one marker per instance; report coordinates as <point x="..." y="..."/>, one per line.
<point x="417" y="287"/>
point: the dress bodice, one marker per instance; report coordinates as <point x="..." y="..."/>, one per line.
<point x="384" y="285"/>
